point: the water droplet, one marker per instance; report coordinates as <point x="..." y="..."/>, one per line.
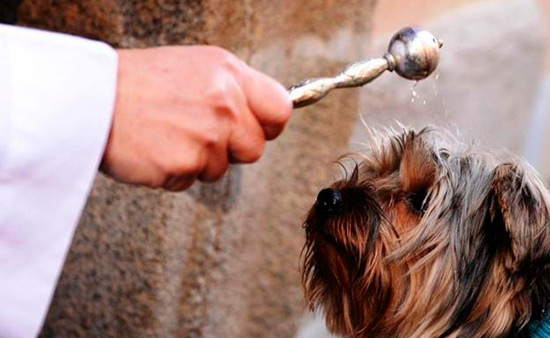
<point x="414" y="93"/>
<point x="437" y="76"/>
<point x="424" y="101"/>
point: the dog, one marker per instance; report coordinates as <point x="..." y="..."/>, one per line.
<point x="427" y="237"/>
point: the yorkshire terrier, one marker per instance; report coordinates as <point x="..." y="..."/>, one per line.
<point x="424" y="239"/>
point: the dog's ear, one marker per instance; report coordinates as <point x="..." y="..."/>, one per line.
<point x="519" y="202"/>
<point x="417" y="169"/>
<point x="520" y="228"/>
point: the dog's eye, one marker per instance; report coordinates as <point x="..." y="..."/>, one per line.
<point x="417" y="200"/>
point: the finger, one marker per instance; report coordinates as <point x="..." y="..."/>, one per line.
<point x="247" y="143"/>
<point x="268" y="100"/>
<point x="217" y="164"/>
<point x="247" y="138"/>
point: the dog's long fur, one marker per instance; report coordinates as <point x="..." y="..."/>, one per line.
<point x="430" y="240"/>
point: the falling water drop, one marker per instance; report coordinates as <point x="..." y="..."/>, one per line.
<point x="445" y="107"/>
<point x="436" y="84"/>
<point x="413" y="92"/>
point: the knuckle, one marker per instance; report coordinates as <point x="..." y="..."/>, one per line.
<point x="229" y="62"/>
<point x="221" y="98"/>
<point x="218" y="52"/>
<point x="211" y="139"/>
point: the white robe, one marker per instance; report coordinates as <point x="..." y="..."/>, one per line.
<point x="57" y="96"/>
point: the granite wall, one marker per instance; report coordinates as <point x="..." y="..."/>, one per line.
<point x="218" y="260"/>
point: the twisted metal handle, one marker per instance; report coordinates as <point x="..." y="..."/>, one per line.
<point x="412" y="53"/>
<point x="355" y="75"/>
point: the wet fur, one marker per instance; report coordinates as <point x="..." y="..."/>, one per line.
<point x="433" y="240"/>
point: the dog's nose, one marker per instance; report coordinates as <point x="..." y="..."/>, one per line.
<point x="329" y="200"/>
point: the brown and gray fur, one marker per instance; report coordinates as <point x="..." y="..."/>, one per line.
<point x="428" y="238"/>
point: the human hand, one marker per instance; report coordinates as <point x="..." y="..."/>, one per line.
<point x="185" y="113"/>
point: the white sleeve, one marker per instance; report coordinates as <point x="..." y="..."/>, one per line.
<point x="57" y="96"/>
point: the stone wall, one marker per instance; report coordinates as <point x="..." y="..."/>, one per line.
<point x="218" y="260"/>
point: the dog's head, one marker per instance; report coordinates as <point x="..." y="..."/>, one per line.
<point x="424" y="240"/>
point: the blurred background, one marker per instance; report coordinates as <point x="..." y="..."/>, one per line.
<point x="492" y="81"/>
<point x="222" y="260"/>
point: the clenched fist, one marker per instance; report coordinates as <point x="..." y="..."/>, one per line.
<point x="185" y="113"/>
